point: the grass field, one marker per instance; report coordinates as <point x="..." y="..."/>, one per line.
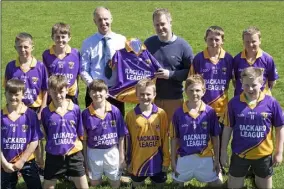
<point x="134" y="19"/>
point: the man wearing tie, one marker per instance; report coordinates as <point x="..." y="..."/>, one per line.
<point x="97" y="51"/>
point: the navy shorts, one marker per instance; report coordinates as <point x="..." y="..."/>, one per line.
<point x="57" y="166"/>
<point x="29" y="173"/>
<point x="157" y="178"/>
<point x="261" y="167"/>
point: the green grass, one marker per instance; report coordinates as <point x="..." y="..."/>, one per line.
<point x="134" y="19"/>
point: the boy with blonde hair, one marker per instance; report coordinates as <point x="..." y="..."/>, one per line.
<point x="148" y="145"/>
<point x="250" y="116"/>
<point x="62" y="123"/>
<point x="254" y="56"/>
<point x="61" y="59"/>
<point x="20" y="132"/>
<point x="195" y="130"/>
<point x="29" y="70"/>
<point x="105" y="130"/>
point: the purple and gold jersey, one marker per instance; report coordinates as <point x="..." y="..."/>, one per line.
<point x="69" y="66"/>
<point x="252" y="125"/>
<point x="131" y="66"/>
<point x="148" y="149"/>
<point x="18" y="132"/>
<point x="103" y="132"/>
<point x="35" y="78"/>
<point x="217" y="76"/>
<point x="63" y="132"/>
<point x="263" y="61"/>
<point x="194" y="131"/>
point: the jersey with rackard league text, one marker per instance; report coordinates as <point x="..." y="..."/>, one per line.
<point x="263" y="61"/>
<point x="217" y="76"/>
<point x="194" y="131"/>
<point x="63" y="132"/>
<point x="131" y="66"/>
<point x="18" y="132"/>
<point x="69" y="66"/>
<point x="252" y="125"/>
<point x="103" y="132"/>
<point x="148" y="147"/>
<point x="35" y="79"/>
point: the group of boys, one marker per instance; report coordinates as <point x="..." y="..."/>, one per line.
<point x="99" y="141"/>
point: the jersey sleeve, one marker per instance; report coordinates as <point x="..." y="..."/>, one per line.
<point x="121" y="126"/>
<point x="272" y="71"/>
<point x="44" y="121"/>
<point x="278" y="116"/>
<point x="44" y="84"/>
<point x="165" y="138"/>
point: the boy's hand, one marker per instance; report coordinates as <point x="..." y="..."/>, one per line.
<point x="174" y="166"/>
<point x="165" y="169"/>
<point x="277" y="159"/>
<point x="40" y="162"/>
<point x="18" y="165"/>
<point x="162" y="73"/>
<point x="39" y="115"/>
<point x="224" y="159"/>
<point x="122" y="165"/>
<point x="216" y="167"/>
<point x="8" y="168"/>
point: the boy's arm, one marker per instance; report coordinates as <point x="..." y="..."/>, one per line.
<point x="216" y="147"/>
<point x="43" y="105"/>
<point x="278" y="155"/>
<point x="25" y="156"/>
<point x="8" y="167"/>
<point x="39" y="154"/>
<point x="122" y="164"/>
<point x="85" y="63"/>
<point x="174" y="142"/>
<point x="227" y="131"/>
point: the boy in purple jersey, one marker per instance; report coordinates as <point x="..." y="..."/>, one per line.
<point x="105" y="130"/>
<point x="61" y="59"/>
<point x="254" y="56"/>
<point x="216" y="67"/>
<point x="62" y="123"/>
<point x="29" y="70"/>
<point x="195" y="130"/>
<point x="20" y="132"/>
<point x="251" y="116"/>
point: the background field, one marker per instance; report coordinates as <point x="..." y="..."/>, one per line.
<point x="134" y="19"/>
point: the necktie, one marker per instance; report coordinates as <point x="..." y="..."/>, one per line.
<point x="106" y="57"/>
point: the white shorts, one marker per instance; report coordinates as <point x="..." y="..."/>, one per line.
<point x="103" y="161"/>
<point x="193" y="166"/>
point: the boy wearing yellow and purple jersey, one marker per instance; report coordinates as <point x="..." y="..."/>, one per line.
<point x="148" y="147"/>
<point x="254" y="56"/>
<point x="20" y="132"/>
<point x="62" y="123"/>
<point x="250" y="116"/>
<point x="216" y="67"/>
<point x="29" y="70"/>
<point x="105" y="130"/>
<point x="195" y="130"/>
<point x="61" y="59"/>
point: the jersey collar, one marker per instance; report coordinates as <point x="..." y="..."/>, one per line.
<point x="93" y="112"/>
<point x="22" y="110"/>
<point x="258" y="54"/>
<point x="138" y="111"/>
<point x="69" y="107"/>
<point x="207" y="56"/>
<point x="186" y="110"/>
<point x="260" y="98"/>
<point x="51" y="49"/>
<point x="32" y="65"/>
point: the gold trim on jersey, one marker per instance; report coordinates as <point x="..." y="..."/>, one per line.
<point x="23" y="110"/>
<point x="207" y="56"/>
<point x="201" y="109"/>
<point x="93" y="111"/>
<point x="69" y="107"/>
<point x="252" y="106"/>
<point x="258" y="55"/>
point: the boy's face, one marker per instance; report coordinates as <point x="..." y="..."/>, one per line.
<point x="162" y="26"/>
<point x="214" y="40"/>
<point x="251" y="87"/>
<point x="146" y="95"/>
<point x="98" y="96"/>
<point x="103" y="20"/>
<point x="251" y="42"/>
<point x="58" y="96"/>
<point x="61" y="40"/>
<point x="24" y="48"/>
<point x="14" y="99"/>
<point x="195" y="92"/>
